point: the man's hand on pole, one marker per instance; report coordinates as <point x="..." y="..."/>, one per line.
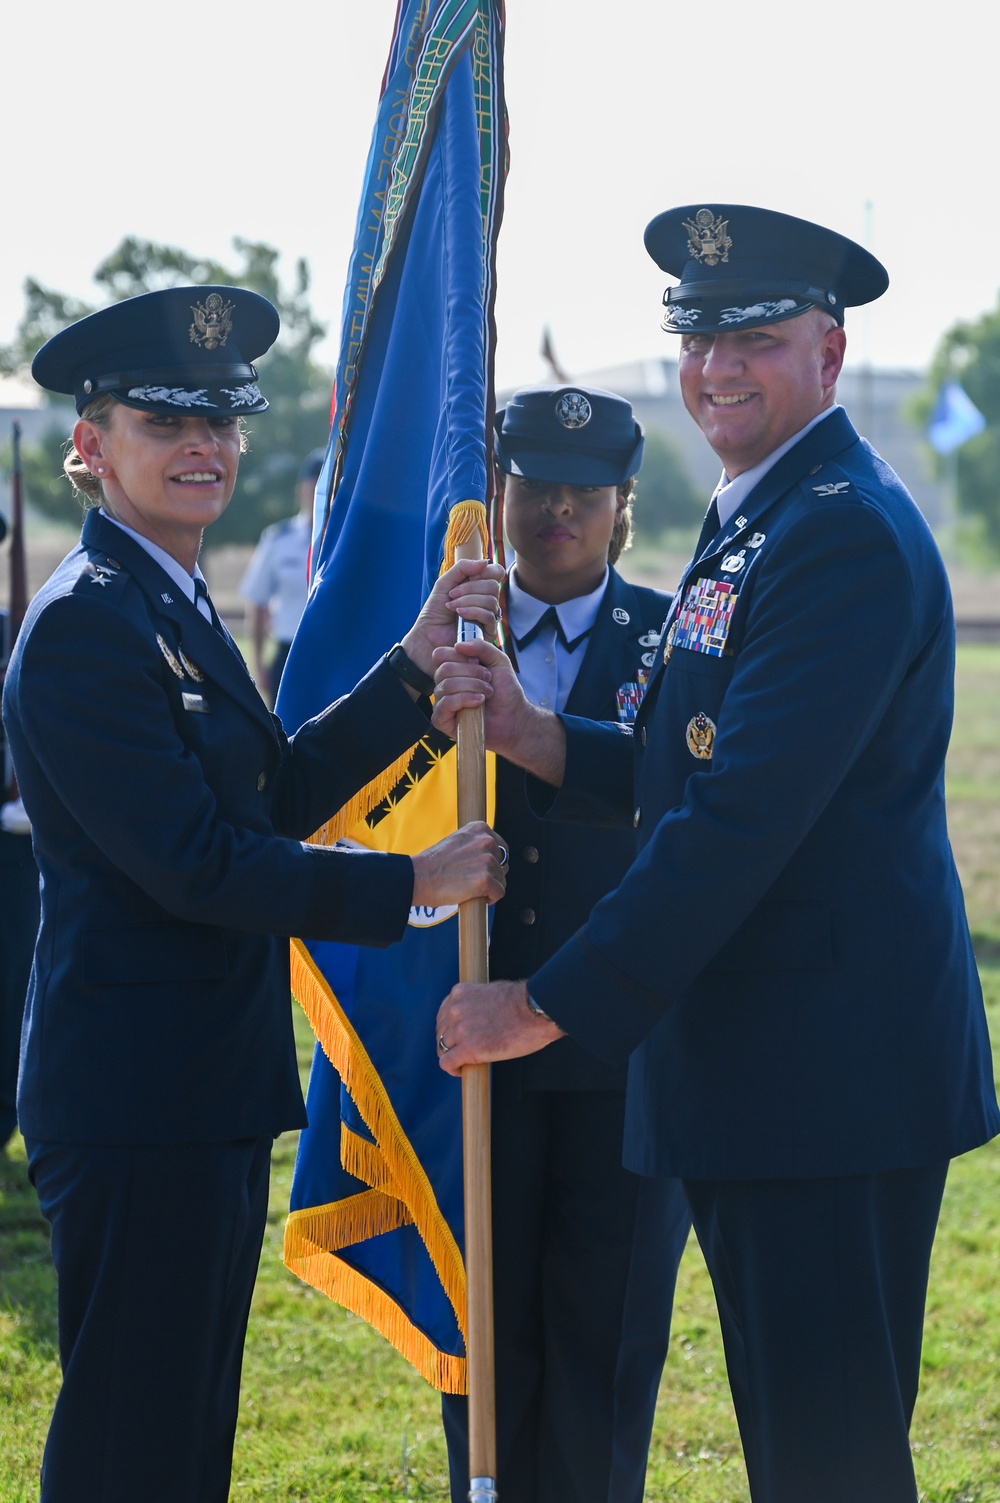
<point x="469" y="674"/>
<point x="470" y="589"/>
<point x="479" y="1023"/>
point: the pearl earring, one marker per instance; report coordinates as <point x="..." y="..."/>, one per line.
<point x="100" y="469"/>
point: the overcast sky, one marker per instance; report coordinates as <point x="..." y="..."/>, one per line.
<point x="193" y="122"/>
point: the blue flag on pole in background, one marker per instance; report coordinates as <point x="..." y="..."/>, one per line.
<point x="955" y="419"/>
<point x="377" y="1219"/>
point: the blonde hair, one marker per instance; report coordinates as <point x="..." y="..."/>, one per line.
<point x="79" y="474"/>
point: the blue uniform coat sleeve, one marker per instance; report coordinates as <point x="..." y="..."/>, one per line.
<point x="203" y="850"/>
<point x="597" y="786"/>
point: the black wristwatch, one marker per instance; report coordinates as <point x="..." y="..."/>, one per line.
<point x="401" y="663"/>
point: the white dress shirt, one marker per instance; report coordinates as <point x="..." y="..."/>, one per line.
<point x="730" y="494"/>
<point x="546" y="666"/>
<point x="180" y="576"/>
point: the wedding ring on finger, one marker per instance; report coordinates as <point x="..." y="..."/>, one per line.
<point x="503" y="856"/>
<point x="442" y="1046"/>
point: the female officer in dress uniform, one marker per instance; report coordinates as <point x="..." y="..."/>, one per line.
<point x="585" y="1253"/>
<point x="171" y="818"/>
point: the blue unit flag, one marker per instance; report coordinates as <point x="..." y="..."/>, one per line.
<point x="376" y="1219"/>
<point x="955" y="419"/>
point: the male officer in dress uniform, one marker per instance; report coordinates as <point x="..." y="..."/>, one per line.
<point x="788" y="956"/>
<point x="585" y="1253"/>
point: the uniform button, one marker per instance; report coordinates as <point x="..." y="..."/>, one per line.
<point x="642" y="736"/>
<point x="544" y="703"/>
<point x="550" y="658"/>
<point x="636" y="817"/>
<point x="261" y="782"/>
<point x="530" y="854"/>
<point x="527" y="916"/>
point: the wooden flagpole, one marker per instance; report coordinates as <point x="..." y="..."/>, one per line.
<point x="473" y="963"/>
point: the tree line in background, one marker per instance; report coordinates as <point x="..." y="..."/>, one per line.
<point x="970" y="354"/>
<point x="298" y="388"/>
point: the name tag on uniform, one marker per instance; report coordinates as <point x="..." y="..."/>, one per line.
<point x="705" y="616"/>
<point x="196" y="703"/>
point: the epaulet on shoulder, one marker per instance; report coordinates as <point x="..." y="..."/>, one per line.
<point x="101" y="575"/>
<point x="830" y="481"/>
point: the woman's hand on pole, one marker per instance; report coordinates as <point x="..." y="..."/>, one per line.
<point x="471" y="863"/>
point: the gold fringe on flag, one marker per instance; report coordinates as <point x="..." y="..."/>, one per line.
<point x="308" y="1243"/>
<point x="401" y="1194"/>
<point x="465" y="519"/>
<point x="362" y="804"/>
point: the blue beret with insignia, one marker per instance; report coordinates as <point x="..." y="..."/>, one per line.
<point x="575" y="435"/>
<point x="183" y="349"/>
<point x="740" y="267"/>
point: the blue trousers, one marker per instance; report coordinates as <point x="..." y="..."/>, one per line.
<point x="156" y="1250"/>
<point x="821" y="1286"/>
<point x="585" y="1259"/>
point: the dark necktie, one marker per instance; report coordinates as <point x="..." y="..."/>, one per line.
<point x="547" y="619"/>
<point x="201" y="593"/>
<point x="709" y="528"/>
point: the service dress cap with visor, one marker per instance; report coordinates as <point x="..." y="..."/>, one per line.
<point x="740" y="267"/>
<point x="573" y="435"/>
<point x="183" y="349"/>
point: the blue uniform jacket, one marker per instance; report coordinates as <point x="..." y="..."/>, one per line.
<point x="169" y="812"/>
<point x="788" y="955"/>
<point x="559" y="871"/>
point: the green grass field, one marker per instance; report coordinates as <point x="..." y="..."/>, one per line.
<point x="330" y="1413"/>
